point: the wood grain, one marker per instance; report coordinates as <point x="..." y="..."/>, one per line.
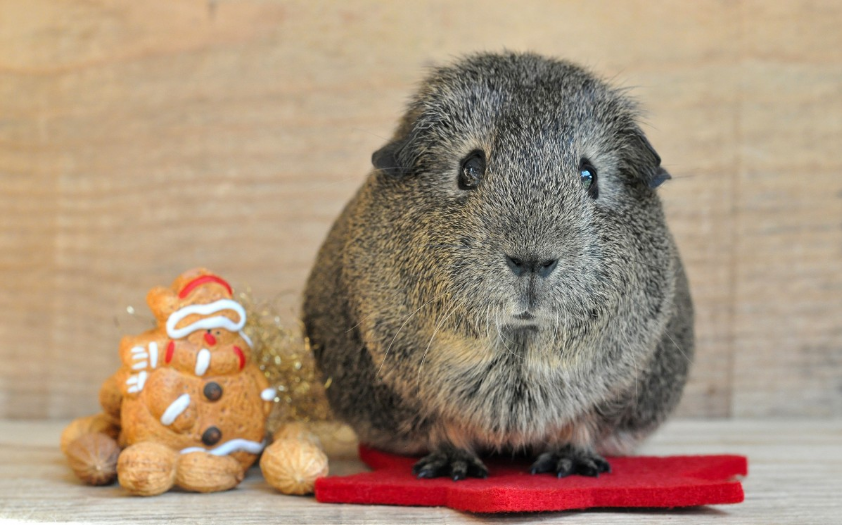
<point x="793" y="478"/>
<point x="788" y="281"/>
<point x="138" y="139"/>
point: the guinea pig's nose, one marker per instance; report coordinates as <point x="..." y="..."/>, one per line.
<point x="520" y="267"/>
<point x="546" y="267"/>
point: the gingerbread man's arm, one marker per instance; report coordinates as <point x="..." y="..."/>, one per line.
<point x="267" y="394"/>
<point x="177" y="411"/>
<point x="140" y="356"/>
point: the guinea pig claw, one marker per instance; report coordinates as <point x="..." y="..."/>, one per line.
<point x="603" y="466"/>
<point x="429" y="466"/>
<point x="570" y="460"/>
<point x="454" y="464"/>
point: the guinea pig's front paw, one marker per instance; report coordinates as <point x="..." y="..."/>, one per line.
<point x="451" y="462"/>
<point x="570" y="460"/>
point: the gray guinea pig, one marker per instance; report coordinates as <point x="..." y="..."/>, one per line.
<point x="504" y="280"/>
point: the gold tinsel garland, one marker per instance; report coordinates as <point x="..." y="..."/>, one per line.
<point x="284" y="355"/>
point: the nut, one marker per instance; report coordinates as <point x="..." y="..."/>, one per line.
<point x="338" y="440"/>
<point x="88" y="425"/>
<point x="292" y="465"/>
<point x="203" y="472"/>
<point x="147" y="468"/>
<point x="93" y="457"/>
<point x="298" y="431"/>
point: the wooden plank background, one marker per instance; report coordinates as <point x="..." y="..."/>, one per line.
<point x="138" y="139"/>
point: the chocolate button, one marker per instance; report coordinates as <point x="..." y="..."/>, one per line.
<point x="213" y="391"/>
<point x="211" y="436"/>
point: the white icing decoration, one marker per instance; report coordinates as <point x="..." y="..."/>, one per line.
<point x="235" y="445"/>
<point x="246" y="339"/>
<point x="137" y="382"/>
<point x="139" y="350"/>
<point x="175" y="409"/>
<point x="208" y="322"/>
<point x="139" y="365"/>
<point x="153" y="354"/>
<point x="268" y="394"/>
<point x="202" y="361"/>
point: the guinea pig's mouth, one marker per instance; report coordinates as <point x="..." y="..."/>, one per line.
<point x="524" y="320"/>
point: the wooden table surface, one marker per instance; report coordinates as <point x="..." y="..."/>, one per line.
<point x="794" y="477"/>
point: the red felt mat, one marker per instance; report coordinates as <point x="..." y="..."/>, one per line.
<point x="677" y="481"/>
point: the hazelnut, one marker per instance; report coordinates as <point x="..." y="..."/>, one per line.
<point x="93" y="457"/>
<point x="88" y="425"/>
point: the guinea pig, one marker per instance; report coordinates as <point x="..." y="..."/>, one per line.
<point x="504" y="280"/>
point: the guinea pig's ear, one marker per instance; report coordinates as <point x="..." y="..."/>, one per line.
<point x="647" y="160"/>
<point x="391" y="159"/>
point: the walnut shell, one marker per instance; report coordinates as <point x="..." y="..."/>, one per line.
<point x="292" y="465"/>
<point x="89" y="425"/>
<point x="203" y="472"/>
<point x="93" y="457"/>
<point x="147" y="468"/>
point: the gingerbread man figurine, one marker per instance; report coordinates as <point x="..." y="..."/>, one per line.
<point x="189" y="384"/>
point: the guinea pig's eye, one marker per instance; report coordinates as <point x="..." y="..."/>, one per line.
<point x="587" y="173"/>
<point x="471" y="170"/>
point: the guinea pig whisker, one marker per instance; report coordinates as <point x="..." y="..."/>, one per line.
<point x="435" y="331"/>
<point x="556" y="330"/>
<point x="488" y="322"/>
<point x="501" y="337"/>
<point x="367" y="317"/>
<point x="677" y="347"/>
<point x="410" y="316"/>
<point x="475" y="323"/>
<point x="362" y="319"/>
<point x="491" y="324"/>
<point x="373" y="134"/>
<point x="439" y="245"/>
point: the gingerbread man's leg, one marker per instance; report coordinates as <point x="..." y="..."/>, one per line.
<point x="147" y="468"/>
<point x="206" y="472"/>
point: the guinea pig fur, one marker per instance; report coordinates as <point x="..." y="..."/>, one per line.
<point x="504" y="279"/>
